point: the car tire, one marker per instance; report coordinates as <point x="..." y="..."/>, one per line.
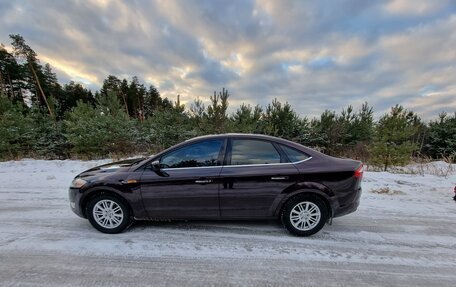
<point x="108" y="214"/>
<point x="304" y="215"/>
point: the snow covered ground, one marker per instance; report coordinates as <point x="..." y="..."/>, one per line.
<point x="404" y="233"/>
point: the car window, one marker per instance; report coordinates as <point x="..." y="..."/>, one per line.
<point x="195" y="155"/>
<point x="253" y="152"/>
<point x="294" y="155"/>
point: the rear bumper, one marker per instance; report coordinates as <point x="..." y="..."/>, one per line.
<point x="74" y="195"/>
<point x="350" y="206"/>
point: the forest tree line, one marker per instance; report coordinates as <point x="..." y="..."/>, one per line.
<point x="39" y="117"/>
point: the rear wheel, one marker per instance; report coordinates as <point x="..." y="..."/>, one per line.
<point x="304" y="215"/>
<point x="108" y="214"/>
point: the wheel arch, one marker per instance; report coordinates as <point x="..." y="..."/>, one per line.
<point x="306" y="192"/>
<point x="97" y="191"/>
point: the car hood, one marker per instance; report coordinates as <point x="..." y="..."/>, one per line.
<point x="118" y="166"/>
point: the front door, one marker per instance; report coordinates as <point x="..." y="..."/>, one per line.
<point x="188" y="183"/>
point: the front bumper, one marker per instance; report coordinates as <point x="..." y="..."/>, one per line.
<point x="74" y="195"/>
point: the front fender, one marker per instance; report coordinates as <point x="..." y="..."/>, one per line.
<point x="131" y="196"/>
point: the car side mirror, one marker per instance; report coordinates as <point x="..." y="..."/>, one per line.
<point x="155" y="165"/>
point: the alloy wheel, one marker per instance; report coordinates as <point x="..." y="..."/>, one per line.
<point x="305" y="216"/>
<point x="108" y="214"/>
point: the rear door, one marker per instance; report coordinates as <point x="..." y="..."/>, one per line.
<point x="255" y="174"/>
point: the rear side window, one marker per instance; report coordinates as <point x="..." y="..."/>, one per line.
<point x="245" y="152"/>
<point x="294" y="155"/>
<point x="195" y="155"/>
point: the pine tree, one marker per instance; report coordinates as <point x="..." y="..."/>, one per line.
<point x="217" y="112"/>
<point x="198" y="116"/>
<point x="152" y="101"/>
<point x="11" y="74"/>
<point x="22" y="50"/>
<point x="72" y="93"/>
<point x="15" y="130"/>
<point x="247" y="119"/>
<point x="441" y="139"/>
<point x="362" y="127"/>
<point x="6" y="60"/>
<point x="281" y="120"/>
<point x="392" y="142"/>
<point x="166" y="127"/>
<point x="103" y="130"/>
<point x="324" y="133"/>
<point x="47" y="136"/>
<point x="136" y="93"/>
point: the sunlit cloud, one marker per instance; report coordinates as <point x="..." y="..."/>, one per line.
<point x="74" y="71"/>
<point x="414" y="7"/>
<point x="316" y="55"/>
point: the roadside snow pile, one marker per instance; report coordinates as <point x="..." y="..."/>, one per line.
<point x="54" y="174"/>
<point x="439" y="168"/>
<point x="409" y="194"/>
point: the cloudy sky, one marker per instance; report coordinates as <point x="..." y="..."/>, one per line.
<point x="316" y="55"/>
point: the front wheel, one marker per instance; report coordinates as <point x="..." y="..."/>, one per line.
<point x="304" y="215"/>
<point x="108" y="214"/>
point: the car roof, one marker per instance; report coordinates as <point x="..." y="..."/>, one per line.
<point x="311" y="152"/>
<point x="296" y="145"/>
<point x="242" y="135"/>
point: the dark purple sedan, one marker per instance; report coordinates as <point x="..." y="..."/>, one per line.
<point x="228" y="176"/>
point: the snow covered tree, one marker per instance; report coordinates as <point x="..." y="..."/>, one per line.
<point x="47" y="136"/>
<point x="15" y="129"/>
<point x="103" y="130"/>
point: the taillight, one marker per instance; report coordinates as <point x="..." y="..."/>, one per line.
<point x="359" y="172"/>
<point x="455" y="189"/>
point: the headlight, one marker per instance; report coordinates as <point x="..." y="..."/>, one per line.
<point x="78" y="183"/>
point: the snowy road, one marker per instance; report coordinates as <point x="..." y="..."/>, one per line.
<point x="406" y="239"/>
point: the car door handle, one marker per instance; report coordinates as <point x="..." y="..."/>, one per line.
<point x="203" y="181"/>
<point x="279" y="177"/>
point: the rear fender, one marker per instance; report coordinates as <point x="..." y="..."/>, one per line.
<point x="305" y="188"/>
